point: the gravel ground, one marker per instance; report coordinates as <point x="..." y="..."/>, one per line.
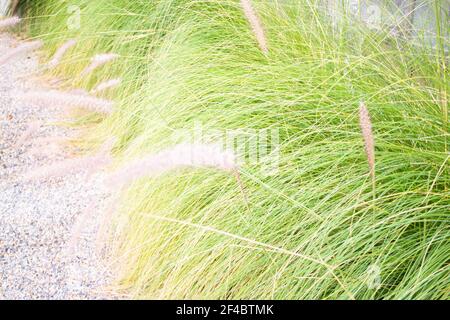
<point x="37" y="218"/>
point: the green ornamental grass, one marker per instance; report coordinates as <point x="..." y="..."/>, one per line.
<point x="325" y="225"/>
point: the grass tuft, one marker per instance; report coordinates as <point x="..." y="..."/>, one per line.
<point x="184" y="233"/>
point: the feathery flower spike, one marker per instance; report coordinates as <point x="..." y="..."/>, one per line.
<point x="107" y="85"/>
<point x="256" y="25"/>
<point x="27" y="47"/>
<point x="369" y="141"/>
<point x="89" y="164"/>
<point x="9" y="22"/>
<point x="183" y="155"/>
<point x="98" y="61"/>
<point x="59" y="54"/>
<point x="32" y="128"/>
<point x="69" y="100"/>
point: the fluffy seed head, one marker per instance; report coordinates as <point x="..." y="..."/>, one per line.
<point x="53" y="97"/>
<point x="98" y="61"/>
<point x="369" y="141"/>
<point x="60" y="52"/>
<point x="9" y="22"/>
<point x="256" y="25"/>
<point x="183" y="155"/>
<point x="24" y="48"/>
<point x="87" y="164"/>
<point x="32" y="128"/>
<point x="107" y="85"/>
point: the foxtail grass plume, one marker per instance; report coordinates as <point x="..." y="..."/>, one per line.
<point x="98" y="61"/>
<point x="9" y="22"/>
<point x="86" y="218"/>
<point x="80" y="92"/>
<point x="182" y="155"/>
<point x="104" y="156"/>
<point x="369" y="141"/>
<point x="32" y="128"/>
<point x="51" y="146"/>
<point x="63" y="168"/>
<point x="54" y="97"/>
<point x="45" y="150"/>
<point x="256" y="25"/>
<point x="87" y="164"/>
<point x="24" y="48"/>
<point x="59" y="54"/>
<point x="49" y="140"/>
<point x="106" y="85"/>
<point x="77" y="228"/>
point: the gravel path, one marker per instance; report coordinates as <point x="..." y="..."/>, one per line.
<point x="37" y="218"/>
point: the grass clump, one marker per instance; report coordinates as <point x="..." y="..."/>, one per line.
<point x="315" y="228"/>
